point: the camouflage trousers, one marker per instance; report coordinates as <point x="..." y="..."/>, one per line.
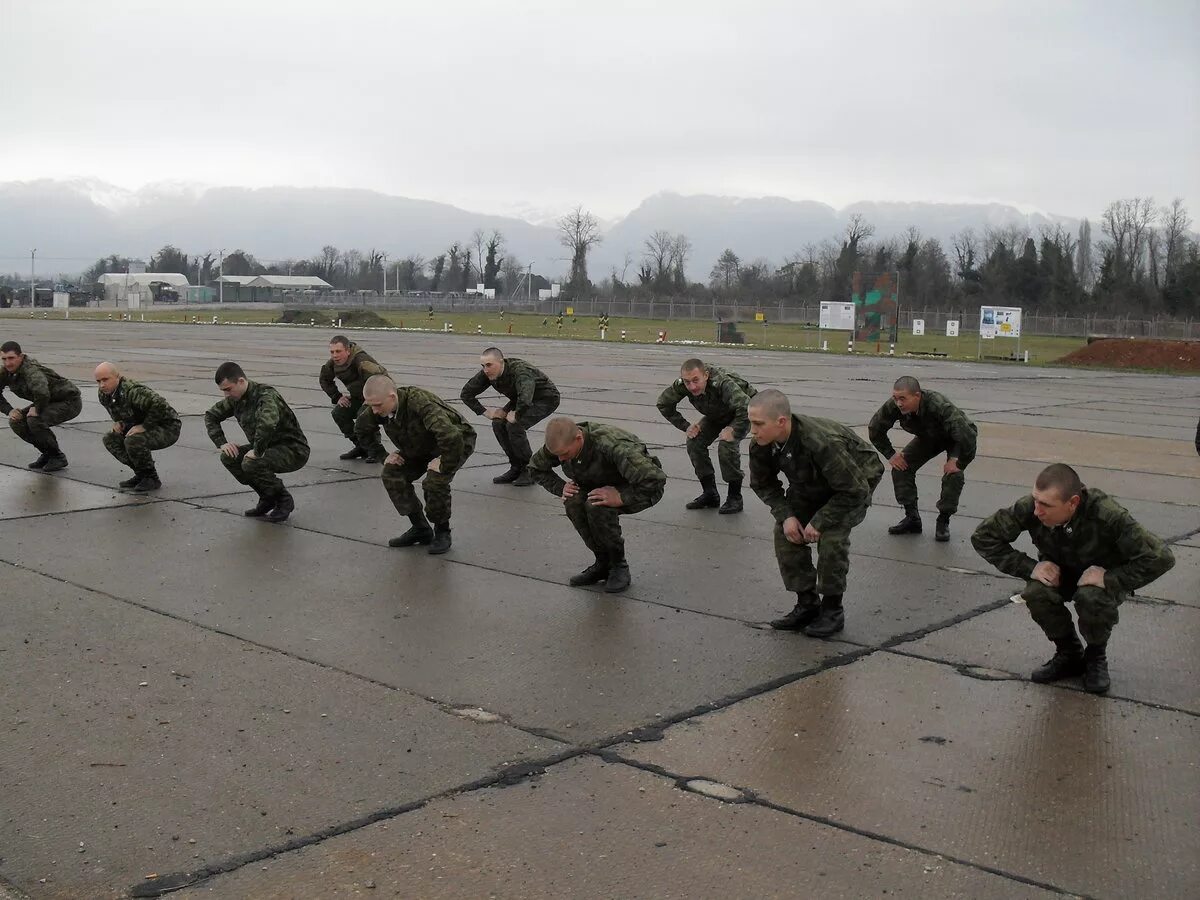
<point x="917" y="453"/>
<point x="352" y="422"/>
<point x="36" y="429"/>
<point x="599" y="526"/>
<point x="729" y="453"/>
<point x="1095" y="607"/>
<point x="398" y="481"/>
<point x="133" y="450"/>
<point x="833" y="550"/>
<point x="512" y="435"/>
<point x="262" y="472"/>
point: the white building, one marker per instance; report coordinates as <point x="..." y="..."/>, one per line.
<point x="132" y="289"/>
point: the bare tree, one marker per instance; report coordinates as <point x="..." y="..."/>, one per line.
<point x="1175" y="225"/>
<point x="479" y="241"/>
<point x="858" y="229"/>
<point x="966" y="254"/>
<point x="579" y="231"/>
<point x="625" y="264"/>
<point x="1127" y="223"/>
<point x="681" y="249"/>
<point x="656" y="250"/>
<point x="1085" y="264"/>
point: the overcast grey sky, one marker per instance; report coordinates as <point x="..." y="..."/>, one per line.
<point x="1057" y="106"/>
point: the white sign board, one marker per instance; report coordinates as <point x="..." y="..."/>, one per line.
<point x="999" y="321"/>
<point x="555" y="289"/>
<point x="918" y="327"/>
<point x="952" y="328"/>
<point x="837" y="316"/>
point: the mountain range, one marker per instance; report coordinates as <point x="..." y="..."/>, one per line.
<point x="74" y="222"/>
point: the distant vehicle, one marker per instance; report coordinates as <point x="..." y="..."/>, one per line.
<point x="163" y="292"/>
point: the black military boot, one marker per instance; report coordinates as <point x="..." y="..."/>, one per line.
<point x="148" y="481"/>
<point x="524" y="479"/>
<point x="129" y="482"/>
<point x="1095" y="669"/>
<point x="941" y="530"/>
<point x="910" y="524"/>
<point x="618" y="577"/>
<point x="284" y="505"/>
<point x="709" y="498"/>
<point x="593" y="574"/>
<point x="830" y="620"/>
<point x="40" y="462"/>
<point x="420" y="533"/>
<point x="441" y="538"/>
<point x="55" y="462"/>
<point x="356" y="453"/>
<point x="513" y="473"/>
<point x="264" y="506"/>
<point x="1067" y="662"/>
<point x="733" y="501"/>
<point x="802" y="614"/>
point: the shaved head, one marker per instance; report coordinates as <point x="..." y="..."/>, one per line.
<point x="107" y="370"/>
<point x="771" y="403"/>
<point x="107" y="378"/>
<point x="560" y="431"/>
<point x="378" y="386"/>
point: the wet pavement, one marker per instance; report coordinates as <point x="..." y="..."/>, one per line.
<point x="192" y="699"/>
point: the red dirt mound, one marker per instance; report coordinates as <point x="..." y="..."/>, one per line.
<point x="1138" y="353"/>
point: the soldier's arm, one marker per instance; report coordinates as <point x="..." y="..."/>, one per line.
<point x="218" y="413"/>
<point x="1146" y="556"/>
<point x="847" y="481"/>
<point x="668" y="403"/>
<point x="39" y="388"/>
<point x="994" y="537"/>
<point x="958" y="426"/>
<point x="266" y="420"/>
<point x="368" y="367"/>
<point x="541" y="470"/>
<point x="452" y="450"/>
<point x="328" y="385"/>
<point x="157" y="412"/>
<point x="524" y="385"/>
<point x="735" y="398"/>
<point x="764" y="481"/>
<point x="475" y="386"/>
<point x="879" y="426"/>
<point x="644" y="480"/>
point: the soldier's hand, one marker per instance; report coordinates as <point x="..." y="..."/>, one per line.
<point x="899" y="462"/>
<point x="435" y="464"/>
<point x="726" y="434"/>
<point x="1093" y="576"/>
<point x="32" y="412"/>
<point x="344" y="400"/>
<point x="693" y="430"/>
<point x="230" y="450"/>
<point x="118" y="428"/>
<point x="512" y="415"/>
<point x="605" y="496"/>
<point x="137" y="429"/>
<point x="951" y="467"/>
<point x="493" y="414"/>
<point x="793" y="530"/>
<point x="15" y="415"/>
<point x="810" y="535"/>
<point x="1047" y="573"/>
<point x="250" y="454"/>
<point x="394" y="459"/>
<point x="570" y="489"/>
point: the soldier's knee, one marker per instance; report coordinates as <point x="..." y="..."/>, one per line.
<point x="254" y="467"/>
<point x="1096" y="600"/>
<point x="135" y="442"/>
<point x="1039" y="596"/>
<point x="112" y="441"/>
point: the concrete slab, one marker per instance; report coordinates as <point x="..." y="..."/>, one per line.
<point x="1182" y="583"/>
<point x="198" y="746"/>
<point x="591" y="829"/>
<point x="576" y="663"/>
<point x="25" y="493"/>
<point x="1154" y="655"/>
<point x="916" y="752"/>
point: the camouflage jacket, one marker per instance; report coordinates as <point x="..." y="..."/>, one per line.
<point x="827" y="466"/>
<point x="132" y="403"/>
<point x="264" y="416"/>
<point x="723" y="401"/>
<point x="423" y="427"/>
<point x="1101" y="533"/>
<point x="611" y="457"/>
<point x="520" y="382"/>
<point x="936" y="421"/>
<point x="38" y="384"/>
<point x="358" y="368"/>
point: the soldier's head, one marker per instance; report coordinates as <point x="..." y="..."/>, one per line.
<point x="107" y="377"/>
<point x="564" y="438"/>
<point x="379" y="393"/>
<point x="770" y="416"/>
<point x="1057" y="493"/>
<point x="339" y="350"/>
<point x="694" y="376"/>
<point x="10" y="352"/>
<point x="231" y="380"/>
<point x="492" y="362"/>
<point x="906" y="393"/>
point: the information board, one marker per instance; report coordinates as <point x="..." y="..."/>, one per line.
<point x="999" y="321"/>
<point x="952" y="328"/>
<point x="837" y="316"/>
<point x="918" y="327"/>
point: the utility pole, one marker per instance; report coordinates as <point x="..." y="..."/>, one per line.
<point x="383" y="264"/>
<point x="32" y="268"/>
<point x="221" y="276"/>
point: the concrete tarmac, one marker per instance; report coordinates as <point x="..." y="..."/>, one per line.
<point x="191" y="700"/>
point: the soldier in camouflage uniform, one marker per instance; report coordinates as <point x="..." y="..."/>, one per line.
<point x="142" y="422"/>
<point x="352" y="366"/>
<point x="276" y="443"/>
<point x="1090" y="552"/>
<point x="721" y="399"/>
<point x="531" y="397"/>
<point x="611" y="474"/>
<point x="53" y="400"/>
<point x="831" y="474"/>
<point x="938" y="426"/>
<point x="432" y="439"/>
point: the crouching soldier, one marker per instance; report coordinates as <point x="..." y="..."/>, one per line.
<point x="142" y="422"/>
<point x="352" y="366"/>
